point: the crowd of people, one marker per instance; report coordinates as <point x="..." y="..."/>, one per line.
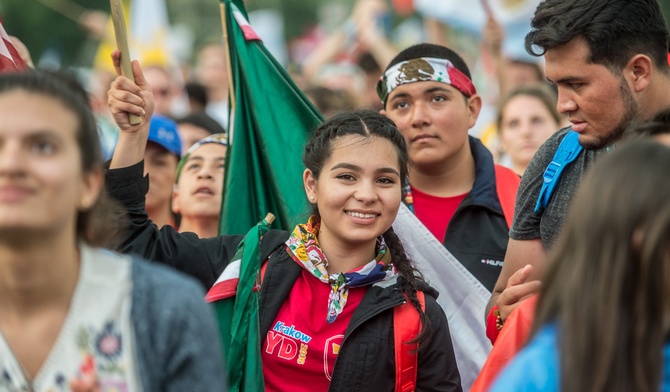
<point x="560" y="213"/>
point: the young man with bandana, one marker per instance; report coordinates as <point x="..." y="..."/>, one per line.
<point x="455" y="189"/>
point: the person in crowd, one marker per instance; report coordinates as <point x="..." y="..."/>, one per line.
<point x="195" y="127"/>
<point x="161" y="159"/>
<point x="602" y="320"/>
<point x="457" y="191"/>
<point x="511" y="72"/>
<point x="211" y="71"/>
<point x="199" y="186"/>
<point x="72" y="315"/>
<point x="514" y="334"/>
<point x="197" y="97"/>
<point x="608" y="59"/>
<point x="336" y="279"/>
<point x="658" y="129"/>
<point x="330" y="101"/>
<point x="527" y="117"/>
<point x="164" y="89"/>
<point x="349" y="57"/>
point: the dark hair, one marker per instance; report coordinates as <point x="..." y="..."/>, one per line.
<point x="368" y="63"/>
<point x="431" y="50"/>
<point x="536" y="90"/>
<point x="368" y="124"/>
<point x="658" y="125"/>
<point x="606" y="283"/>
<point x="363" y="122"/>
<point x="329" y="101"/>
<point x="537" y="69"/>
<point x="197" y="93"/>
<point x="69" y="79"/>
<point x="99" y="224"/>
<point x="202" y="120"/>
<point x="614" y="30"/>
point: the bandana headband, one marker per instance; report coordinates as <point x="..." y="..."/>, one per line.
<point x="424" y="69"/>
<point x="219" y="138"/>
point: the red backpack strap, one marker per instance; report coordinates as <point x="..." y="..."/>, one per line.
<point x="406" y="327"/>
<point x="261" y="275"/>
<point x="507" y="183"/>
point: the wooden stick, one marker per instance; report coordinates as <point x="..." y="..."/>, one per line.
<point x="229" y="64"/>
<point x="119" y="21"/>
<point x="269" y="218"/>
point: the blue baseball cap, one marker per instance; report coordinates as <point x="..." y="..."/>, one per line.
<point x="163" y="131"/>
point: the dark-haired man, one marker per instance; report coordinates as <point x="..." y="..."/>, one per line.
<point x="608" y="59"/>
<point x="427" y="91"/>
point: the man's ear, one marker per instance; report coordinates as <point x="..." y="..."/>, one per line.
<point x="474" y="104"/>
<point x="638" y="72"/>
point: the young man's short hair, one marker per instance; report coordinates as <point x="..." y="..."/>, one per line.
<point x="614" y="30"/>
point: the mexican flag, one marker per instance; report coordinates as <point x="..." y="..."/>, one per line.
<point x="235" y="298"/>
<point x="10" y="61"/>
<point x="270" y="122"/>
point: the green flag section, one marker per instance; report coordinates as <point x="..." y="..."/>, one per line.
<point x="236" y="303"/>
<point x="270" y="121"/>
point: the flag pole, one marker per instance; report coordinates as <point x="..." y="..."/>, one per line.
<point x="231" y="86"/>
<point x="119" y="21"/>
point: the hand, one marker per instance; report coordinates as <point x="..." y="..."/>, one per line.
<point x="95" y="23"/>
<point x="366" y="15"/>
<point x="126" y="97"/>
<point x="493" y="36"/>
<point x="519" y="287"/>
<point x="86" y="383"/>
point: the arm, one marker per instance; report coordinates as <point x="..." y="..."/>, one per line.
<point x="370" y="33"/>
<point x="203" y="259"/>
<point x="518" y="278"/>
<point x="194" y="360"/>
<point x="436" y="32"/>
<point x="525" y="246"/>
<point x="493" y="37"/>
<point x="177" y="342"/>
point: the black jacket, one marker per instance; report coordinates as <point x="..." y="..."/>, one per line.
<point x="477" y="234"/>
<point x="366" y="359"/>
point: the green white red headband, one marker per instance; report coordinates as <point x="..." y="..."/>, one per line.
<point x="424" y="69"/>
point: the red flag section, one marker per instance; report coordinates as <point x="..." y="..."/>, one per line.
<point x="10" y="60"/>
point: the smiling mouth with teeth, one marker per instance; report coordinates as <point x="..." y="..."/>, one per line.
<point x="360" y="215"/>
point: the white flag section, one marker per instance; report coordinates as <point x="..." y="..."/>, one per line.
<point x="462" y="296"/>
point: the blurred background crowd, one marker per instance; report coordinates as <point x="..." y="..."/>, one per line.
<point x="334" y="50"/>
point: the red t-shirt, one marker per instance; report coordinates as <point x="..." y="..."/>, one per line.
<point x="435" y="212"/>
<point x="300" y="349"/>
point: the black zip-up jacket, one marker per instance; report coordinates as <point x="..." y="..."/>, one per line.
<point x="365" y="361"/>
<point x="477" y="234"/>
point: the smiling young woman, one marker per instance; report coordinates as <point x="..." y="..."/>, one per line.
<point x="334" y="281"/>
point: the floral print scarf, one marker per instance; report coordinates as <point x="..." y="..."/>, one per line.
<point x="304" y="248"/>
